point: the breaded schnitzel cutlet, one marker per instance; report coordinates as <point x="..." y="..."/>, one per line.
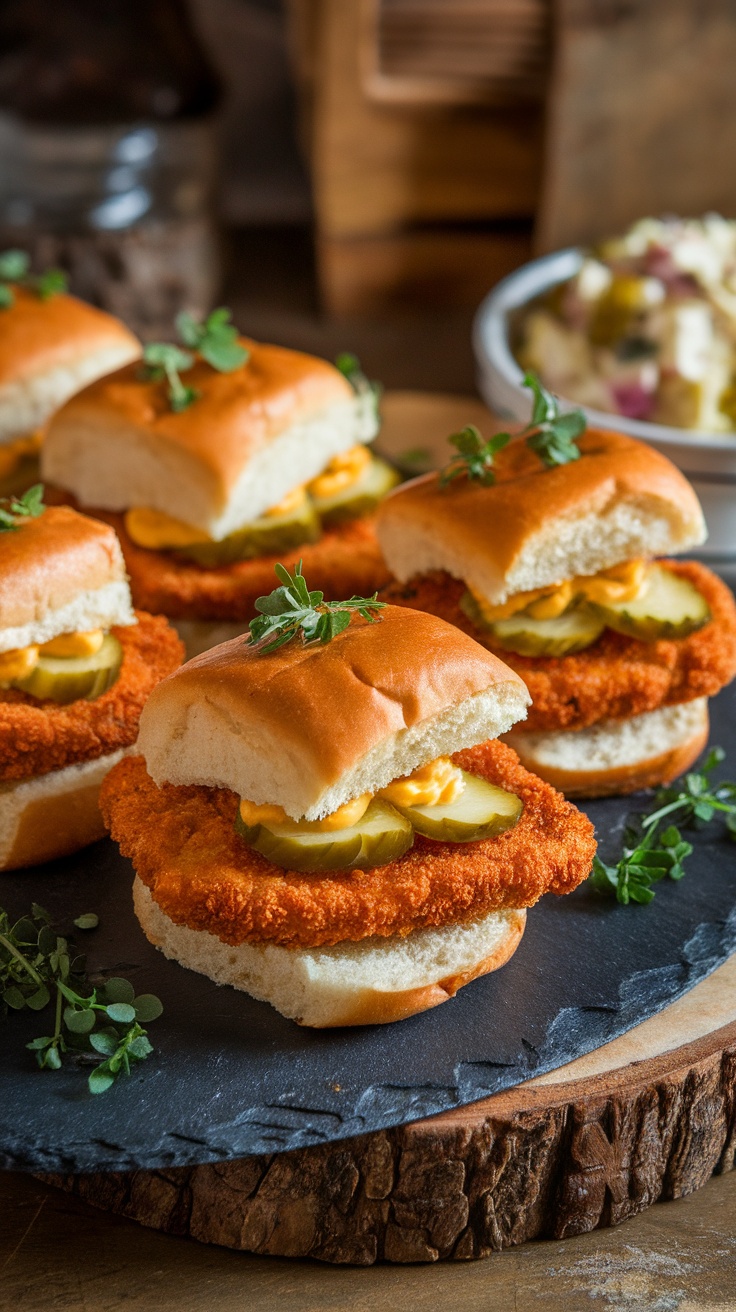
<point x="37" y="737"/>
<point x="184" y="846"/>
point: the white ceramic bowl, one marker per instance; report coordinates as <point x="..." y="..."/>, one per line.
<point x="708" y="459"/>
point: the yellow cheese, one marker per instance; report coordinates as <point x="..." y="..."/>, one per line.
<point x="12" y="453"/>
<point x="160" y="532"/>
<point x="620" y="583"/>
<point x="74" y="644"/>
<point x="292" y="502"/>
<point x="17" y="664"/>
<point x="342" y="471"/>
<point x="342" y="818"/>
<point x="437" y="784"/>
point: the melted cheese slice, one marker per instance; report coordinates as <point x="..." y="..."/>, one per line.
<point x="436" y="784"/>
<point x="18" y="664"/>
<point x="12" y="453"/>
<point x="343" y="470"/>
<point x="622" y="582"/>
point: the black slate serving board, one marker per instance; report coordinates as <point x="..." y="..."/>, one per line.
<point x="231" y="1077"/>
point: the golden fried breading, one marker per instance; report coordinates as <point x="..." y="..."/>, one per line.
<point x="184" y="847"/>
<point x="616" y="677"/>
<point x="39" y="736"/>
<point x="345" y="562"/>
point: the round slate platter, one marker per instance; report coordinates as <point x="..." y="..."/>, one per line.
<point x="231" y="1077"/>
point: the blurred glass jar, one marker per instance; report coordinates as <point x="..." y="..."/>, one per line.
<point x="107" y="152"/>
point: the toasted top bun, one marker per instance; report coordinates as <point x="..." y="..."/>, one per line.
<point x="250" y="437"/>
<point x="538" y="526"/>
<point x="310" y="727"/>
<point x="60" y="573"/>
<point x="48" y="350"/>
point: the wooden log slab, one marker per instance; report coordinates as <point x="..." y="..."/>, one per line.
<point x="650" y="1116"/>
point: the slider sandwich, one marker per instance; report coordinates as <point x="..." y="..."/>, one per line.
<point x="76" y="666"/>
<point x="547" y="551"/>
<point x="51" y="345"/>
<point x="320" y="815"/>
<point x="218" y="462"/>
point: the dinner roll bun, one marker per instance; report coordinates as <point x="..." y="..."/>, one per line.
<point x="278" y="420"/>
<point x="49" y="349"/>
<point x="52" y="815"/>
<point x="60" y="572"/>
<point x="372" y="982"/>
<point x="311" y="726"/>
<point x="616" y="757"/>
<point x="536" y="526"/>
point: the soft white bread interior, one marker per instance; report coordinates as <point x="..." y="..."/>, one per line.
<point x="52" y="814"/>
<point x="278" y="421"/>
<point x="368" y="983"/>
<point x="618" y="756"/>
<point x="60" y="573"/>
<point x="535" y="526"/>
<point x="49" y="350"/>
<point x="311" y="726"/>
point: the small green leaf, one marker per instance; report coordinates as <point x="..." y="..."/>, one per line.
<point x="7" y="296"/>
<point x="100" y="1080"/>
<point x="79" y="1022"/>
<point x="117" y="989"/>
<point x="50" y="1059"/>
<point x="14" y="265"/>
<point x="87" y="921"/>
<point x="12" y="997"/>
<point x="121" y="1012"/>
<point x="37" y="1045"/>
<point x="105" y="1041"/>
<point x="38" y="1000"/>
<point x="140" y="1048"/>
<point x="147" y="1007"/>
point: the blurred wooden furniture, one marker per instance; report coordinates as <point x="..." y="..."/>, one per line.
<point x="425" y="141"/>
<point x="642" y="115"/>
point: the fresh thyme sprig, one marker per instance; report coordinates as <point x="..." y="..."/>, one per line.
<point x="646" y="858"/>
<point x="475" y="458"/>
<point x="163" y="360"/>
<point x="15" y="268"/>
<point x="292" y="610"/>
<point x="650" y="852"/>
<point x="101" y="1023"/>
<point x="695" y="799"/>
<point x="29" y="506"/>
<point x="216" y="339"/>
<point x="550" y="435"/>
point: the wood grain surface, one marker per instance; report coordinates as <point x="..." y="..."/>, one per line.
<point x="641" y="115"/>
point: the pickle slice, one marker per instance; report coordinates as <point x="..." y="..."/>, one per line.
<point x="361" y="497"/>
<point x="575" y="629"/>
<point x="261" y="537"/>
<point x="69" y="679"/>
<point x="381" y="836"/>
<point x="481" y="811"/>
<point x="669" y="606"/>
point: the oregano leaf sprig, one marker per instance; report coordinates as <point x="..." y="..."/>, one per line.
<point x="102" y="1023"/>
<point x="215" y="338"/>
<point x="696" y="800"/>
<point x="163" y="360"/>
<point x="292" y="611"/>
<point x="15" y="268"/>
<point x="549" y="434"/>
<point x="350" y="367"/>
<point x="14" y="509"/>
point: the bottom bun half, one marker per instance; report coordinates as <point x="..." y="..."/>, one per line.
<point x="618" y="756"/>
<point x="372" y="982"/>
<point x="52" y="815"/>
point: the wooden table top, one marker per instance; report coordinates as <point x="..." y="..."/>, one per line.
<point x="56" y="1252"/>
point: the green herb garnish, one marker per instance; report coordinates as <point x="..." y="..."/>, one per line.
<point x="15" y="268"/>
<point x="475" y="458"/>
<point x="650" y="852"/>
<point x="695" y="799"/>
<point x="216" y="339"/>
<point x="162" y="360"/>
<point x="100" y="1023"/>
<point x="350" y="367"/>
<point x="292" y="610"/>
<point x="29" y="506"/>
<point x="551" y="435"/>
<point x="646" y="858"/>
